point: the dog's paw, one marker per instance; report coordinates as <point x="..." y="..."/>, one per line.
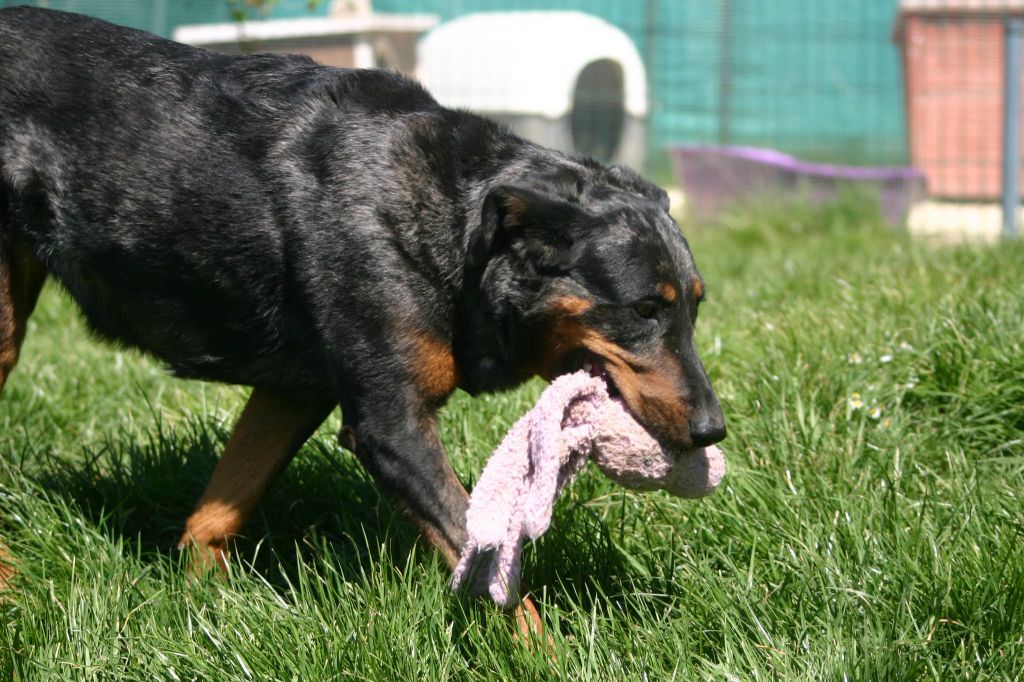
<point x="530" y="631"/>
<point x="204" y="559"/>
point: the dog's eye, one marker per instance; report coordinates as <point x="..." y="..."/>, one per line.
<point x="646" y="309"/>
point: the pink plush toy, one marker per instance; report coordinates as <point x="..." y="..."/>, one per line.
<point x="573" y="420"/>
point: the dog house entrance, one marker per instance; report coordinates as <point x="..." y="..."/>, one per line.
<point x="598" y="110"/>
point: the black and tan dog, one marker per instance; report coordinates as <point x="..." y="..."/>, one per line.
<point x="328" y="237"/>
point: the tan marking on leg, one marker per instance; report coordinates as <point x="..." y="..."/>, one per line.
<point x="21" y="280"/>
<point x="7" y="570"/>
<point x="266" y="437"/>
<point x="8" y="349"/>
<point x="530" y="631"/>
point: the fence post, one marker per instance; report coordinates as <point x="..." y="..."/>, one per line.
<point x="1011" y="126"/>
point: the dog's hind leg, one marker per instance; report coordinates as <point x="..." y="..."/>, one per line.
<point x="267" y="435"/>
<point x="21" y="279"/>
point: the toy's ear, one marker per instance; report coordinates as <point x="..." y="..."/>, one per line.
<point x="533" y="224"/>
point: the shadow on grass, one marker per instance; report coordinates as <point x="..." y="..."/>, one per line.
<point x="143" y="486"/>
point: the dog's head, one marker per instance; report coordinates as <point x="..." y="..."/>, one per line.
<point x="584" y="268"/>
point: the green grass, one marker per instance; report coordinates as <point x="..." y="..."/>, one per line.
<point x="870" y="526"/>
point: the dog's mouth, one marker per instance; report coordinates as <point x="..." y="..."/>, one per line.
<point x="595" y="367"/>
<point x="631" y="401"/>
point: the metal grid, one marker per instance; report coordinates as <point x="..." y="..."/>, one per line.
<point x="876" y="83"/>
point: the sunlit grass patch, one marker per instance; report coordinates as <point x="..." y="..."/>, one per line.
<point x="870" y="525"/>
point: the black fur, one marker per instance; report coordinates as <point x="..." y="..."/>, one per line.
<point x="266" y="221"/>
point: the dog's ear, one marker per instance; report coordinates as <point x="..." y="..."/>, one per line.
<point x="534" y="224"/>
<point x="628" y="179"/>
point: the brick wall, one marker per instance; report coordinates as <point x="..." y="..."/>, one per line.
<point x="953" y="75"/>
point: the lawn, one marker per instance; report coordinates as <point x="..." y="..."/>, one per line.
<point x="870" y="525"/>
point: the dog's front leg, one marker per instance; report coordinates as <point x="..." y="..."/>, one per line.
<point x="404" y="454"/>
<point x="401" y="450"/>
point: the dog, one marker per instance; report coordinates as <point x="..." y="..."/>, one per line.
<point x="329" y="237"/>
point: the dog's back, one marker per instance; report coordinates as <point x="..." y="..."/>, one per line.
<point x="168" y="187"/>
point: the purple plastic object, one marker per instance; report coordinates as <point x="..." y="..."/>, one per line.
<point x="714" y="178"/>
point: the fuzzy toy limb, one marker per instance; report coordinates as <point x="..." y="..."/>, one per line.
<point x="573" y="420"/>
<point x="515" y="496"/>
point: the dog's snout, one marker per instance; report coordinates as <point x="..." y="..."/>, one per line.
<point x="706" y="419"/>
<point x="707" y="432"/>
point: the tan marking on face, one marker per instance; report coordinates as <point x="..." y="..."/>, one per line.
<point x="433" y="366"/>
<point x="649" y="385"/>
<point x="667" y="291"/>
<point x="516" y="208"/>
<point x="572" y="306"/>
<point x="698" y="289"/>
<point x="561" y="337"/>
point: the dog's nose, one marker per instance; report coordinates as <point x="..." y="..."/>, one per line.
<point x="706" y="432"/>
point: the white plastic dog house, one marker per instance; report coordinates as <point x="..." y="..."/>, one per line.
<point x="566" y="80"/>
